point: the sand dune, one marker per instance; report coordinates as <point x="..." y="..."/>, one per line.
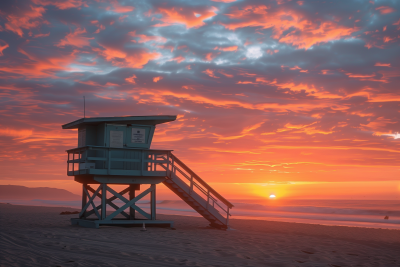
<point x="39" y="236"/>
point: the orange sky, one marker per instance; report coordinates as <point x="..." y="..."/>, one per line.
<point x="282" y="97"/>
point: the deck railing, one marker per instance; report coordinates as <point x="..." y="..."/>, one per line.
<point x="116" y="161"/>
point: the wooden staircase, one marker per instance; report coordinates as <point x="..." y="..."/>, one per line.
<point x="197" y="193"/>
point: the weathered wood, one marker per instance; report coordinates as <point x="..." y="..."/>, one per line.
<point x="145" y="214"/>
<point x="103" y="201"/>
<point x="129" y="180"/>
<point x="128" y="204"/>
<point x="90" y="202"/>
<point x="96" y="223"/>
<point x="133" y="206"/>
<point x="109" y="202"/>
<point x="115" y="179"/>
<point x="153" y="202"/>
<point x="84" y="201"/>
<point x="131" y="196"/>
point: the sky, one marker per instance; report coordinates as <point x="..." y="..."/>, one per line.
<point x="295" y="98"/>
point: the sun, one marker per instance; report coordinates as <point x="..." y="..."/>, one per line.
<point x="272" y="196"/>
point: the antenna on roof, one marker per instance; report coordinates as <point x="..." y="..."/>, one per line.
<point x="84" y="107"/>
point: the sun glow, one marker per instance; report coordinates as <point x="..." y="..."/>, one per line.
<point x="272" y="196"/>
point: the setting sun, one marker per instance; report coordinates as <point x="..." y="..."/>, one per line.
<point x="272" y="196"/>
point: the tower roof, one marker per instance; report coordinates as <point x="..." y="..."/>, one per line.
<point x="144" y="120"/>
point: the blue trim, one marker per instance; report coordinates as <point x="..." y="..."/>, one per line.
<point x="145" y="120"/>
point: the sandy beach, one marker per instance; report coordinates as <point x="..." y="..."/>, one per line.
<point x="39" y="236"/>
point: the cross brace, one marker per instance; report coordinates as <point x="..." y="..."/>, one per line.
<point x="88" y="199"/>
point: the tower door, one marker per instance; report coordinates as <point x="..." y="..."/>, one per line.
<point x="116" y="138"/>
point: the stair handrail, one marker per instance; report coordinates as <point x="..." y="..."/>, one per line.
<point x="201" y="181"/>
<point x="204" y="191"/>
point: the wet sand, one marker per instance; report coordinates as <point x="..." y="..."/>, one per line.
<point x="39" y="236"/>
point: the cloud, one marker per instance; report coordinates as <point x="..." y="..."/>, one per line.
<point x="224" y="1"/>
<point x="135" y="58"/>
<point x="227" y="49"/>
<point x="145" y="38"/>
<point x="27" y="18"/>
<point x="60" y="4"/>
<point x="3" y="45"/>
<point x="385" y="10"/>
<point x="131" y="79"/>
<point x="38" y="66"/>
<point x="254" y="52"/>
<point x="189" y="16"/>
<point x="378" y="64"/>
<point x="289" y="26"/>
<point x="16" y="133"/>
<point x="210" y="73"/>
<point x="158" y="78"/>
<point x="118" y="8"/>
<point x="75" y="39"/>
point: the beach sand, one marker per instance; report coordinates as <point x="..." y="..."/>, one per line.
<point x="39" y="236"/>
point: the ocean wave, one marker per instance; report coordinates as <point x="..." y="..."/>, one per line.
<point x="317" y="210"/>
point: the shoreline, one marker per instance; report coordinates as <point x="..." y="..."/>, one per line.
<point x="326" y="222"/>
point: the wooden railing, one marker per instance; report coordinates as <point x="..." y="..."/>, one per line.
<point x="116" y="161"/>
<point x="212" y="197"/>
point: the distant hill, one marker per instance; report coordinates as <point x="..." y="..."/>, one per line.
<point x="29" y="193"/>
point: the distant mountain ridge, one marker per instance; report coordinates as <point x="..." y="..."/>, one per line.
<point x="29" y="193"/>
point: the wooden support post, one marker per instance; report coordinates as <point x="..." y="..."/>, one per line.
<point x="68" y="163"/>
<point x="91" y="198"/>
<point x="108" y="161"/>
<point x="73" y="162"/>
<point x="208" y="198"/>
<point x="142" y="166"/>
<point x="131" y="196"/>
<point x="227" y="217"/>
<point x="103" y="201"/>
<point x="84" y="200"/>
<point x="172" y="166"/>
<point x="168" y="165"/>
<point x="191" y="185"/>
<point x="153" y="201"/>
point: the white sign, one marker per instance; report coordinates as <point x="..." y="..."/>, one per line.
<point x="116" y="139"/>
<point x="138" y="135"/>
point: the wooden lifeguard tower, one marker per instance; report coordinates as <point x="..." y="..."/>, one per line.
<point x="116" y="151"/>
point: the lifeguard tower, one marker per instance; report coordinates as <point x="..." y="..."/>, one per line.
<point x="116" y="151"/>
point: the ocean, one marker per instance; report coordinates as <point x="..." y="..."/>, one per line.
<point x="357" y="213"/>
